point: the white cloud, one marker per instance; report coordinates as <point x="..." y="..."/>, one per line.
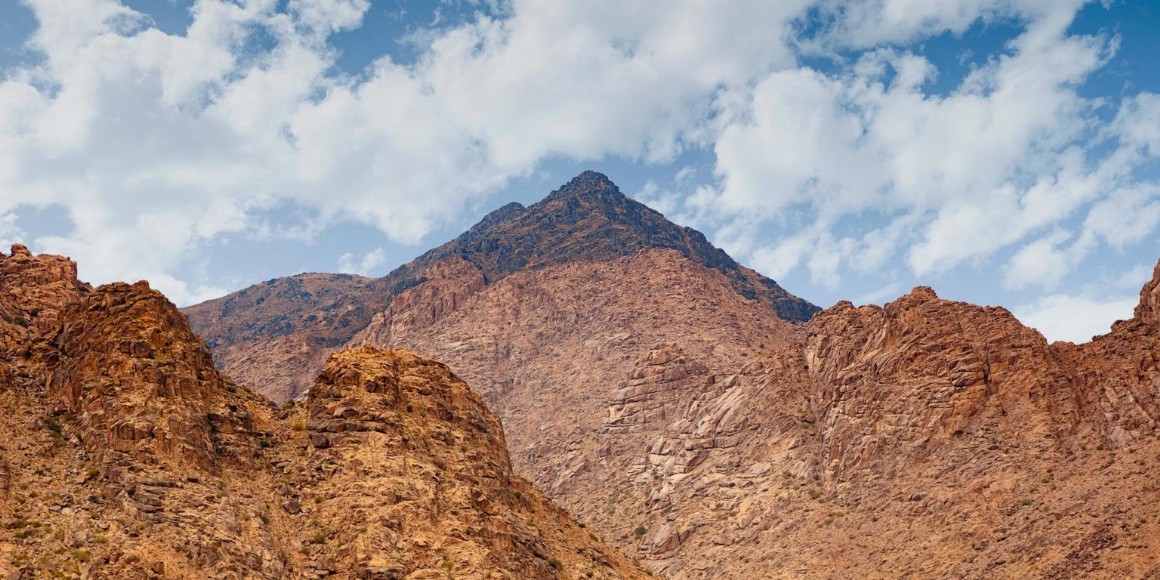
<point x="327" y="16"/>
<point x="867" y="23"/>
<point x="1041" y="263"/>
<point x="159" y="144"/>
<point x="1135" y="278"/>
<point x="1075" y="318"/>
<point x="1000" y="159"/>
<point x="1138" y="122"/>
<point x="348" y="263"/>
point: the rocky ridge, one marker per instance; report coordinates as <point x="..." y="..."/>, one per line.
<point x="124" y="453"/>
<point x="925" y="438"/>
<point x="275" y="336"/>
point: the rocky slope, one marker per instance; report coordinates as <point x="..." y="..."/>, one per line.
<point x="275" y="336"/>
<point x="124" y="454"/>
<point x="670" y="402"/>
<point x="925" y="438"/>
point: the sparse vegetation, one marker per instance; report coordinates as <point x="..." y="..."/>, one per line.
<point x="639" y="531"/>
<point x="54" y="427"/>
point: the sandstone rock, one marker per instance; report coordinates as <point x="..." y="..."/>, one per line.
<point x="664" y="538"/>
<point x="119" y="395"/>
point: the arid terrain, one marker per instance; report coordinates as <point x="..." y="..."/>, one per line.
<point x="125" y="454"/>
<point x="712" y="425"/>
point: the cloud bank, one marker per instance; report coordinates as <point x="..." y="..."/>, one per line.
<point x="158" y="144"/>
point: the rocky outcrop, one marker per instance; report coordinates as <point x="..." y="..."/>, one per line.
<point x="37" y="287"/>
<point x="124" y="454"/>
<point x="1148" y="311"/>
<point x="921" y="371"/>
<point x="140" y="384"/>
<point x="274" y="337"/>
<point x="654" y="388"/>
<point x="420" y="482"/>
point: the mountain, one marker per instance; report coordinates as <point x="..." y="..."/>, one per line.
<point x="275" y="336"/>
<point x="701" y="419"/>
<point x="125" y="454"/>
<point x="925" y="438"/>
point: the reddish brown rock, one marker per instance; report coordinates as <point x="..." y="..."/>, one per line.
<point x="140" y="384"/>
<point x="445" y="500"/>
<point x="124" y="454"/>
<point x="647" y="385"/>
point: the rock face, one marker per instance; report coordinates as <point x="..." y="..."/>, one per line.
<point x="422" y="480"/>
<point x="651" y="390"/>
<point x="926" y="437"/>
<point x="124" y="454"/>
<point x="275" y="336"/>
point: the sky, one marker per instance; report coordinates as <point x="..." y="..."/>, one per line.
<point x="1003" y="152"/>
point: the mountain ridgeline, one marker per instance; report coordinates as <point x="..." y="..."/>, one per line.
<point x="303" y="318"/>
<point x="589" y="219"/>
<point x="668" y="400"/>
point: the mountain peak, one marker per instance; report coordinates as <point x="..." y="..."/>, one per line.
<point x="588" y="183"/>
<point x="589" y="219"/>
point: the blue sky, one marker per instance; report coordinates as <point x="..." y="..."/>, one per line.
<point x="1002" y="152"/>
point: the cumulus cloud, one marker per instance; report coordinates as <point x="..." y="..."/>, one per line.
<point x="868" y="23"/>
<point x="160" y="144"/>
<point x="1003" y="158"/>
<point x="1040" y="263"/>
<point x="348" y="263"/>
<point x="1075" y="318"/>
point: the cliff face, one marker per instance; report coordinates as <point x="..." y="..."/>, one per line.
<point x="124" y="454"/>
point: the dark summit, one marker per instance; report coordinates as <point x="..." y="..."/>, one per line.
<point x="588" y="219"/>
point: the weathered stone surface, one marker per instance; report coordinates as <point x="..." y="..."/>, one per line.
<point x="124" y="454"/>
<point x="887" y="440"/>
